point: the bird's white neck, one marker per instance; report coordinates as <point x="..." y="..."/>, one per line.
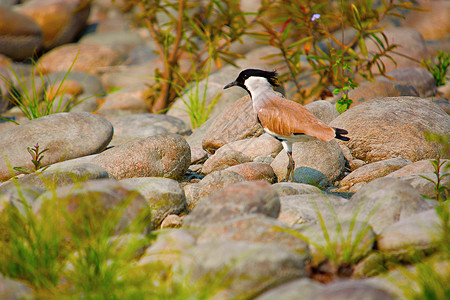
<point x="260" y="89"/>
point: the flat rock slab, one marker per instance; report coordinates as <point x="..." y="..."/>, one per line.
<point x="66" y="135"/>
<point x="166" y="155"/>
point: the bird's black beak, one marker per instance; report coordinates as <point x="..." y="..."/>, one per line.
<point x="234" y="83"/>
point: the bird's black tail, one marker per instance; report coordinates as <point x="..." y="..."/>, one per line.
<point x="340" y="134"/>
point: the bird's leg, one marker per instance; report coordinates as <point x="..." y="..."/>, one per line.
<point x="290" y="168"/>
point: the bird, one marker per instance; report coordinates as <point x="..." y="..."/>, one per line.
<point x="285" y="120"/>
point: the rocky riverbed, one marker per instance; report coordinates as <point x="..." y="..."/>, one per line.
<point x="214" y="193"/>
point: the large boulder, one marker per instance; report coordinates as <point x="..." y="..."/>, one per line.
<point x="393" y="127"/>
<point x="66" y="135"/>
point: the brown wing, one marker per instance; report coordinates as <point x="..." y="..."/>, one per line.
<point x="285" y="117"/>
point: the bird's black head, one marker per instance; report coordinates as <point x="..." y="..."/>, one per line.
<point x="271" y="76"/>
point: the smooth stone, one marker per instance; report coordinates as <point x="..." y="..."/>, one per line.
<point x="21" y="35"/>
<point x="237" y="122"/>
<point x="372" y="265"/>
<point x="172" y="221"/>
<point x="18" y="195"/>
<point x="130" y="99"/>
<point x="128" y="76"/>
<point x="125" y="40"/>
<point x="66" y="135"/>
<point x="61" y="175"/>
<point x="11" y="289"/>
<point x="198" y="155"/>
<point x="85" y="58"/>
<point x="253" y="147"/>
<point x="369" y="172"/>
<point x="165" y="196"/>
<point x="393" y="127"/>
<point x="424" y="186"/>
<point x="316" y="162"/>
<point x="254" y="171"/>
<point x="166" y="155"/>
<point x="224" y="159"/>
<point x="297" y="289"/>
<point x="61" y="21"/>
<point x="105" y="195"/>
<point x="131" y="124"/>
<point x="421" y="166"/>
<point x="255" y="228"/>
<point x="250" y="268"/>
<point x="323" y="110"/>
<point x="419" y="79"/>
<point x="420" y="233"/>
<point x="241" y="199"/>
<point x="295" y="188"/>
<point x="308" y="208"/>
<point x="168" y="247"/>
<point x="352" y="290"/>
<point x="211" y="183"/>
<point x="383" y="202"/>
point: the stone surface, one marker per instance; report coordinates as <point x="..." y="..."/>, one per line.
<point x="306" y="208"/>
<point x="14" y="289"/>
<point x="85" y="58"/>
<point x="406" y="238"/>
<point x="254" y="147"/>
<point x="323" y="110"/>
<point x="373" y="170"/>
<point x="323" y="157"/>
<point x="129" y="99"/>
<point x="20" y="36"/>
<point x="422" y="166"/>
<point x="164" y="196"/>
<point x="224" y="159"/>
<point x="393" y="127"/>
<point x="352" y="290"/>
<point x="241" y="270"/>
<point x="254" y="171"/>
<point x="211" y="183"/>
<point x="236" y="200"/>
<point x="60" y="20"/>
<point x="238" y="122"/>
<point x="350" y="239"/>
<point x="295" y="188"/>
<point x="383" y="202"/>
<point x="253" y="229"/>
<point x="297" y="289"/>
<point x="58" y="175"/>
<point x="66" y="135"/>
<point x="166" y="155"/>
<point x="419" y="79"/>
<point x="424" y="186"/>
<point x="134" y="126"/>
<point x="101" y="198"/>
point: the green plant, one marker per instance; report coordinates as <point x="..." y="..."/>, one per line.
<point x="304" y="28"/>
<point x="200" y="30"/>
<point x="344" y="242"/>
<point x="38" y="98"/>
<point x="438" y="70"/>
<point x="196" y="105"/>
<point x="441" y="192"/>
<point x="36" y="157"/>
